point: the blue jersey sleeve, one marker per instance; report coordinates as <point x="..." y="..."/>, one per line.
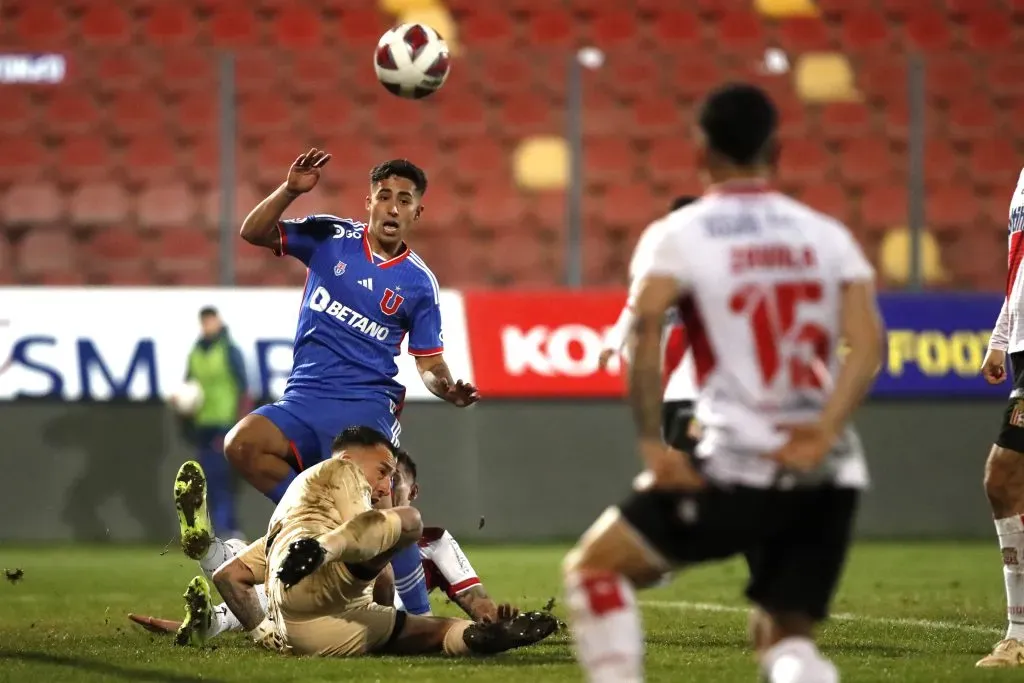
<point x="301" y="237"/>
<point x="425" y="335"/>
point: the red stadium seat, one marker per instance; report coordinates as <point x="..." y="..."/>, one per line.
<point x="261" y="115"/>
<point x="741" y="31"/>
<point x="393" y="116"/>
<point x="693" y="75"/>
<point x="961" y="8"/>
<point x="496" y="207"/>
<point x="199" y="160"/>
<point x="41" y="25"/>
<point x="115" y="249"/>
<point x="928" y="31"/>
<point x="551" y="27"/>
<point x="100" y="203"/>
<point x="106" y="24"/>
<point x="316" y="73"/>
<point x="523" y="114"/>
<point x="802" y="160"/>
<point x="478" y="159"/>
<point x="611" y="159"/>
<point x="896" y="118"/>
<point x="900" y="8"/>
<point x="828" y="198"/>
<point x="715" y="8"/>
<point x="804" y="34"/>
<point x="603" y="114"/>
<point x="865" y="161"/>
<point x="42" y="251"/>
<point x="1015" y="114"/>
<point x="167" y="205"/>
<point x="235" y="27"/>
<point x="84" y="157"/>
<point x="990" y="31"/>
<point x="35" y="203"/>
<point x="460" y="115"/>
<point x="359" y="27"/>
<point x="356" y="156"/>
<point x="138" y="112"/>
<point x="841" y="120"/>
<point x="628" y="205"/>
<point x="951" y="208"/>
<point x="994" y="162"/>
<point x="115" y="73"/>
<point x="941" y="160"/>
<point x="187" y="70"/>
<point x="631" y="73"/>
<point x="23" y="159"/>
<point x="335" y="112"/>
<point x="186" y="257"/>
<point x="1003" y="76"/>
<point x="71" y="111"/>
<point x="298" y="28"/>
<point x="613" y="29"/>
<point x="151" y="158"/>
<point x="273" y="155"/>
<point x="883" y="206"/>
<point x="971" y="119"/>
<point x="257" y="72"/>
<point x="1017" y="7"/>
<point x="245" y="199"/>
<point x="947" y="78"/>
<point x="170" y="24"/>
<point x="865" y="32"/>
<point x="656" y="115"/>
<point x="195" y="113"/>
<point x="487" y="30"/>
<point x="672" y="161"/>
<point x="496" y="74"/>
<point x="883" y="79"/>
<point x="677" y="29"/>
<point x="18" y="112"/>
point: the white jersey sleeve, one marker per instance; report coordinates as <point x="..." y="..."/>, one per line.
<point x="1000" y="339"/>
<point x="453" y="565"/>
<point x="853" y="266"/>
<point x="616" y="337"/>
<point x="659" y="252"/>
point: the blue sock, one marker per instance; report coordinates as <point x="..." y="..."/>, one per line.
<point x="218" y="489"/>
<point x="410" y="581"/>
<point x="277" y="493"/>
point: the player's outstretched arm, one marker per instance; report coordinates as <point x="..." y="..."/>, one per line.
<point x="260" y="227"/>
<point x="475" y="602"/>
<point x="237" y="585"/>
<point x="437" y="378"/>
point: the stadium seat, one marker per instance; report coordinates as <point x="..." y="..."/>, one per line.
<point x="947" y="78"/>
<point x="802" y="160"/>
<point x="461" y="116"/>
<point x="18" y="111"/>
<point x="551" y="27"/>
<point x="195" y="113"/>
<point x="167" y="205"/>
<point x="496" y="74"/>
<point x="150" y="158"/>
<point x="628" y="205"/>
<point x="1017" y="8"/>
<point x="257" y="73"/>
<point x="825" y="77"/>
<point x="245" y="199"/>
<point x="1002" y="75"/>
<point x="334" y="112"/>
<point x="169" y="24"/>
<point x="35" y="203"/>
<point x="716" y="8"/>
<point x="883" y="79"/>
<point x="970" y="119"/>
<point x="105" y="24"/>
<point x="83" y="157"/>
<point x="360" y="27"/>
<point x="928" y="31"/>
<point x="883" y="205"/>
<point x="627" y="74"/>
<point x="522" y="115"/>
<point x="868" y="160"/>
<point x="297" y="27"/>
<point x="115" y="248"/>
<point x="952" y="207"/>
<point x="865" y="32"/>
<point x="357" y="157"/>
<point x="261" y="115"/>
<point x="71" y="111"/>
<point x="654" y="116"/>
<point x="941" y="159"/>
<point x="672" y="161"/>
<point x="899" y="9"/>
<point x="990" y="31"/>
<point x="235" y="27"/>
<point x="136" y="112"/>
<point x="614" y="29"/>
<point x="46" y="251"/>
<point x="677" y="30"/>
<point x="41" y="26"/>
<point x="609" y="159"/>
<point x="826" y="197"/>
<point x="477" y="159"/>
<point x="100" y="203"/>
<point x="182" y="70"/>
<point x="804" y="34"/>
<point x="487" y="30"/>
<point x="541" y="163"/>
<point x="693" y="75"/>
<point x="177" y="250"/>
<point x="316" y="74"/>
<point x="24" y="159"/>
<point x="894" y="259"/>
<point x="740" y="31"/>
<point x="199" y="159"/>
<point x="840" y="120"/>
<point x="114" y="73"/>
<point x="962" y="8"/>
<point x="994" y="162"/>
<point x="496" y="207"/>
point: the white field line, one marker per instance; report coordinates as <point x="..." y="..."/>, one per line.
<point x="683" y="605"/>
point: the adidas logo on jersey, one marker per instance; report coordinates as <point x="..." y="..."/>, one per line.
<point x="368" y="283"/>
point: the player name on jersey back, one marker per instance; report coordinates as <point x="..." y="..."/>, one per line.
<point x="761" y="277"/>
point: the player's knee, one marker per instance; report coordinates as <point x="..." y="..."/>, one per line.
<point x="412" y="523"/>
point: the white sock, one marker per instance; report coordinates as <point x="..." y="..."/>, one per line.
<point x="1011" y="542"/>
<point x="223" y="619"/>
<point x="219" y="553"/>
<point x="605" y="626"/>
<point x="797" y="660"/>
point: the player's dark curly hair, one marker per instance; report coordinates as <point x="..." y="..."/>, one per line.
<point x="360" y="435"/>
<point x="739" y="121"/>
<point x="405" y="460"/>
<point x="400" y="168"/>
<point x="681" y="201"/>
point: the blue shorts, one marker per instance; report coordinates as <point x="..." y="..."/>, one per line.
<point x="310" y="424"/>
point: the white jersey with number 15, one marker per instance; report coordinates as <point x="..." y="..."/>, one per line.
<point x="761" y="277"/>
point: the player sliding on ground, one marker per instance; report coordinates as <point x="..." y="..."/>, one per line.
<point x="365" y="291"/>
<point x="444" y="564"/>
<point x="323" y="550"/>
<point x="766" y="288"/>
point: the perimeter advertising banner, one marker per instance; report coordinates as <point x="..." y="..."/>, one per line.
<point x="131" y="344"/>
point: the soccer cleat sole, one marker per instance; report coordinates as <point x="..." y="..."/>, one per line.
<point x="193" y="519"/>
<point x="198" y="613"/>
<point x="525" y="629"/>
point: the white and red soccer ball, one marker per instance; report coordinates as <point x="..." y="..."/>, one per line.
<point x="412" y="61"/>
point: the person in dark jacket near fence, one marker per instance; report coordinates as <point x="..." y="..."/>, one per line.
<point x="215" y="364"/>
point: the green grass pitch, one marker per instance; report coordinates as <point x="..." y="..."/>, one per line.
<point x="919" y="612"/>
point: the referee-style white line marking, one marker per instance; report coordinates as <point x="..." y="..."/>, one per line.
<point x="842" y="616"/>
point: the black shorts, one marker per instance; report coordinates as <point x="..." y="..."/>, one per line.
<point x="795" y="541"/>
<point x="1011" y="431"/>
<point x="676" y="418"/>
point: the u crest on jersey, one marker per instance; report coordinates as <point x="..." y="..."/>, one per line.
<point x="390" y="302"/>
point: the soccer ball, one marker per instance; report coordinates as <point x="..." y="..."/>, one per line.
<point x="412" y="61"/>
<point x="188" y="399"/>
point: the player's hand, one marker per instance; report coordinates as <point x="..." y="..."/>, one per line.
<point x="993" y="368"/>
<point x="303" y="558"/>
<point x="668" y="469"/>
<point x="507" y="611"/>
<point x="806" y="448"/>
<point x="461" y="393"/>
<point x="604" y="358"/>
<point x="305" y="171"/>
<point x="155" y="624"/>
